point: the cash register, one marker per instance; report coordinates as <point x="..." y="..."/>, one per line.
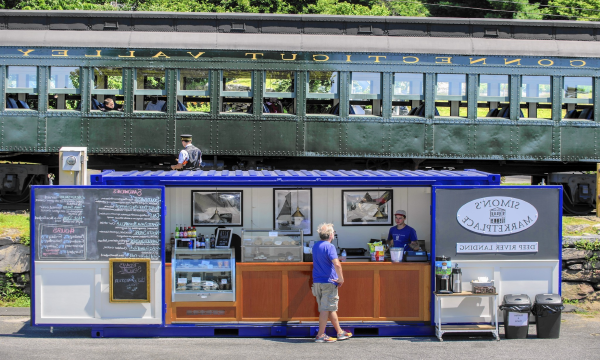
<point x="416" y="256"/>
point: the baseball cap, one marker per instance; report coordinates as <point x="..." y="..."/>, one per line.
<point x="400" y="212"/>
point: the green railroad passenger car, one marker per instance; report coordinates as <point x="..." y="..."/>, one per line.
<point x="299" y="91"/>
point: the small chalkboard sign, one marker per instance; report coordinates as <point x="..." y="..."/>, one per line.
<point x="223" y="238"/>
<point x="129" y="280"/>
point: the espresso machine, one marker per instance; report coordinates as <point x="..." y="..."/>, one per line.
<point x="443" y="271"/>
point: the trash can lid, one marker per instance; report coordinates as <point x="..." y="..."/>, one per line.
<point x="516" y="299"/>
<point x="548" y="299"/>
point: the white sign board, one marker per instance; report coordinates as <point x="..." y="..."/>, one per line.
<point x="497" y="215"/>
<point x="518" y="319"/>
<point x="497" y="247"/>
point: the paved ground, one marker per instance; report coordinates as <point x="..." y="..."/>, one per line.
<point x="580" y="339"/>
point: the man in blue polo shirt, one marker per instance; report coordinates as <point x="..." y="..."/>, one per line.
<point x="402" y="235"/>
<point x="327" y="277"/>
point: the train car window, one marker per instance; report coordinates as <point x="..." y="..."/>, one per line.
<point x="236" y="94"/>
<point x="150" y="90"/>
<point x="578" y="102"/>
<point x="21" y="88"/>
<point x="193" y="91"/>
<point x="280" y="94"/>
<point x="365" y="94"/>
<point x="323" y="92"/>
<point x="108" y="84"/>
<point x="452" y="90"/>
<point x="536" y="97"/>
<point x="493" y="96"/>
<point x="408" y="93"/>
<point x="64" y="90"/>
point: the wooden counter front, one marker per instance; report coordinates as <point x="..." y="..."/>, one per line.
<point x="281" y="292"/>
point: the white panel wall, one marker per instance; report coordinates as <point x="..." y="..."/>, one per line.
<point x="326" y="205"/>
<point x="77" y="292"/>
<point x="510" y="277"/>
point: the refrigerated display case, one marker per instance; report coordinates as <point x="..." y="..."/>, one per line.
<point x="272" y="245"/>
<point x="203" y="275"/>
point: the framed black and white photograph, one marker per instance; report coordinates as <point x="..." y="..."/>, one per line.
<point x="292" y="210"/>
<point x="216" y="207"/>
<point x="367" y="207"/>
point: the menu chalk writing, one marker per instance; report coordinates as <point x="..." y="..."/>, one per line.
<point x="123" y="222"/>
<point x="129" y="280"/>
<point x="62" y="242"/>
<point x="223" y="238"/>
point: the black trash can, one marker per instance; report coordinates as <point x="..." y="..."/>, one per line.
<point x="547" y="310"/>
<point x="516" y="316"/>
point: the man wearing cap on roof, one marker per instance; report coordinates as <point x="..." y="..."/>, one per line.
<point x="190" y="157"/>
<point x="402" y="235"/>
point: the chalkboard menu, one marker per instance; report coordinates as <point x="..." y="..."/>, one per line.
<point x="84" y="223"/>
<point x="129" y="280"/>
<point x="223" y="238"/>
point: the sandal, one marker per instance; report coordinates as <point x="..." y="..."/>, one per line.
<point x="324" y="339"/>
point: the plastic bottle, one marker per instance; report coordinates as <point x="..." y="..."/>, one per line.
<point x="212" y="241"/>
<point x="202" y="242"/>
<point x="343" y="256"/>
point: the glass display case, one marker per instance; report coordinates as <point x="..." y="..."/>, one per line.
<point x="272" y="245"/>
<point x="203" y="275"/>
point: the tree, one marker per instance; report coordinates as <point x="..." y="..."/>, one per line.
<point x="334" y="7"/>
<point x="523" y="9"/>
<point x="582" y="10"/>
<point x="401" y="8"/>
<point x="510" y="9"/>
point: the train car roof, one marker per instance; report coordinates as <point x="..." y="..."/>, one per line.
<point x="279" y="178"/>
<point x="274" y="32"/>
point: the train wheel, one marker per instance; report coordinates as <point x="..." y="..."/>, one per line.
<point x="378" y="164"/>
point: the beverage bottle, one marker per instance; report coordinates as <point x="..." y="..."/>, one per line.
<point x="212" y="241"/>
<point x="172" y="241"/>
<point x="202" y="242"/>
<point x="343" y="256"/>
<point x="177" y="230"/>
<point x="194" y="231"/>
<point x="185" y="233"/>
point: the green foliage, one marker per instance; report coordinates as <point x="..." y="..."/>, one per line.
<point x="524" y="10"/>
<point x="570" y="301"/>
<point x="584" y="10"/>
<point x="334" y="7"/>
<point x="18" y="224"/>
<point x="401" y="8"/>
<point x="198" y="107"/>
<point x="25" y="240"/>
<point x="587" y="9"/>
<point x="9" y="290"/>
<point x="95" y="5"/>
<point x="587" y="245"/>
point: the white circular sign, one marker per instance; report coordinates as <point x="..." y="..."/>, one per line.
<point x="497" y="215"/>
